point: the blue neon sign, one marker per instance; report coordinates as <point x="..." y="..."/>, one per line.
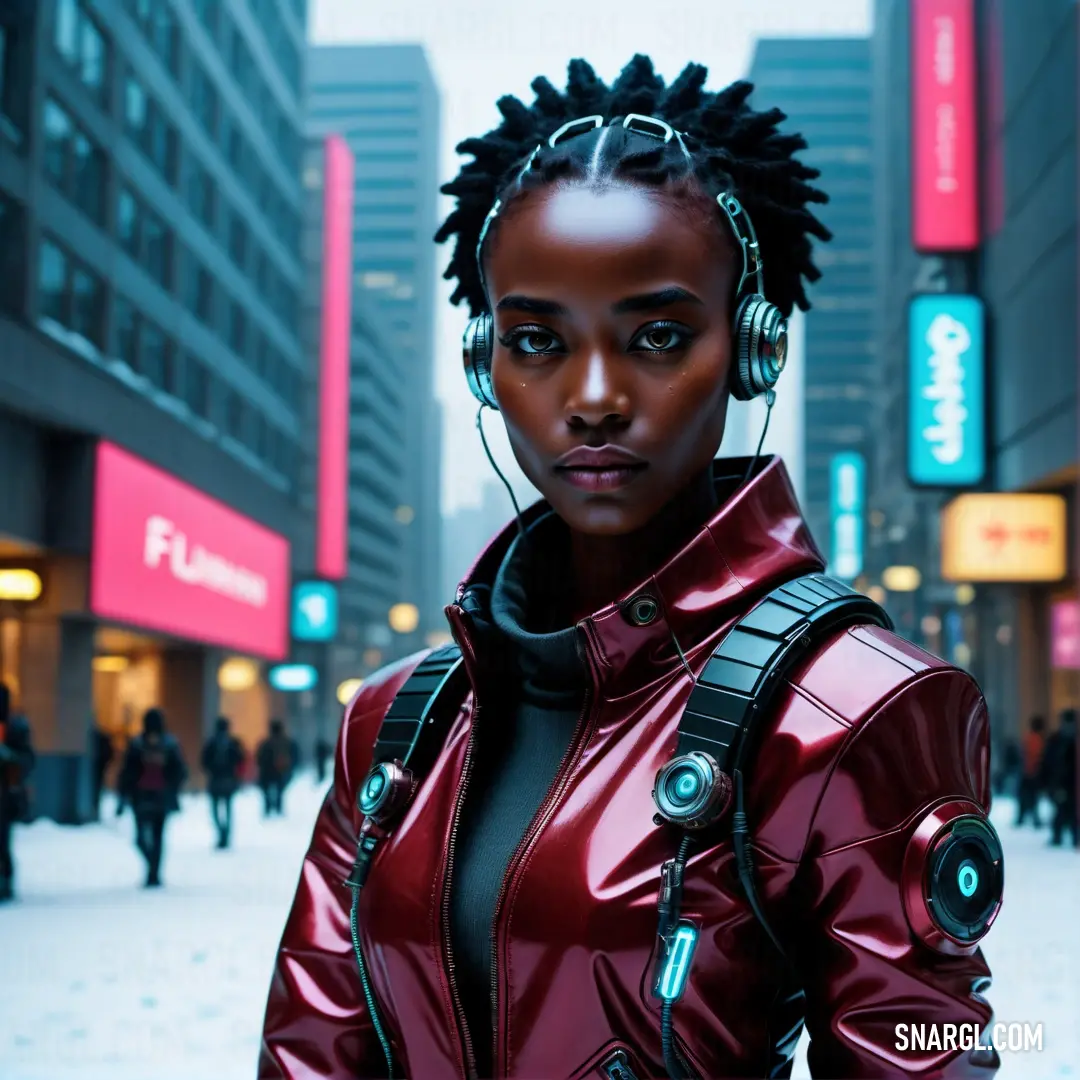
<point x="293" y="678"/>
<point x="847" y="495"/>
<point x="946" y="392"/>
<point x="314" y="611"/>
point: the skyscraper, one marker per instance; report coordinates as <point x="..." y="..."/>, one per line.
<point x="824" y="87"/>
<point x="150" y="360"/>
<point x="383" y="102"/>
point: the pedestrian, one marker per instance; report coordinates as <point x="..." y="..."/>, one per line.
<point x="323" y="750"/>
<point x="222" y="761"/>
<point x="276" y="760"/>
<point x="102" y="755"/>
<point x="150" y="780"/>
<point x="1027" y="795"/>
<point x="16" y="765"/>
<point x="1059" y="778"/>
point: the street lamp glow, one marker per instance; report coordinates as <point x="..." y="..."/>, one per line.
<point x="437" y="638"/>
<point x="110" y="663"/>
<point x="404" y="514"/>
<point x="931" y="625"/>
<point x="346" y="691"/>
<point x="19" y="584"/>
<point x="877" y="594"/>
<point x="404" y="618"/>
<point x="237" y="674"/>
<point x="901" y="578"/>
<point x="965" y="594"/>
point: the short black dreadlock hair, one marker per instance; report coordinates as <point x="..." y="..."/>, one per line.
<point x="734" y="149"/>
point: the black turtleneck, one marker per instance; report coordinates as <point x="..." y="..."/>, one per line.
<point x="526" y="723"/>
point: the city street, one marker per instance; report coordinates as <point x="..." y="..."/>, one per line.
<point x="106" y="981"/>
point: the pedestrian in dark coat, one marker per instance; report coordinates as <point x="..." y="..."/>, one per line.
<point x="276" y="760"/>
<point x="1059" y="778"/>
<point x="222" y="762"/>
<point x="16" y="764"/>
<point x="150" y="780"/>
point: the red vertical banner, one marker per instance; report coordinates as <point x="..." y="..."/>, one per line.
<point x="331" y="557"/>
<point x="944" y="135"/>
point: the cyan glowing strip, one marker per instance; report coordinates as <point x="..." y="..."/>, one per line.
<point x="680" y="953"/>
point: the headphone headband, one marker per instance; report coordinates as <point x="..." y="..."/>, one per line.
<point x="737" y="217"/>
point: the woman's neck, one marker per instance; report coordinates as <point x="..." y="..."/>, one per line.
<point x="606" y="566"/>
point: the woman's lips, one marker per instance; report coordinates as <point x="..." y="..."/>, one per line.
<point x="603" y="478"/>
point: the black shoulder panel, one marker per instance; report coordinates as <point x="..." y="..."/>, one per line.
<point x="748" y="667"/>
<point x="432" y="693"/>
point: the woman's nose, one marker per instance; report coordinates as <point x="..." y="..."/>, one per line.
<point x="596" y="395"/>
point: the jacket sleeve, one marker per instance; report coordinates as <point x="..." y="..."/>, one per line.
<point x="883" y="988"/>
<point x="316" y="1023"/>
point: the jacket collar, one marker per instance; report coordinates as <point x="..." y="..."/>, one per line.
<point x="754" y="542"/>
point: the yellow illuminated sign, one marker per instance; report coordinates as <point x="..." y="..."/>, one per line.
<point x="19" y="584"/>
<point x="1004" y="537"/>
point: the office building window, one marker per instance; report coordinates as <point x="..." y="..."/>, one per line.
<point x="70" y="294"/>
<point x="127" y="222"/>
<point x="238" y="241"/>
<point x="200" y="291"/>
<point x="72" y="162"/>
<point x="154" y="354"/>
<point x="158" y="24"/>
<point x="209" y="14"/>
<point x="196" y="386"/>
<point x="12" y="252"/>
<point x="125" y="333"/>
<point x="377" y="236"/>
<point x="233" y="414"/>
<point x="205" y="100"/>
<point x="238" y="335"/>
<point x="201" y="193"/>
<point x="149" y="130"/>
<point x="52" y="283"/>
<point x="81" y="43"/>
<point x="145" y="237"/>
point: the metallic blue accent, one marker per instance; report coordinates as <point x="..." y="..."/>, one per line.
<point x="946" y="391"/>
<point x="847" y="494"/>
<point x="373" y="792"/>
<point x="676" y="969"/>
<point x="687" y="786"/>
<point x="314" y="611"/>
<point x="967" y="879"/>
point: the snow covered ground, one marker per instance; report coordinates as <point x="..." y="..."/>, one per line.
<point x="103" y="980"/>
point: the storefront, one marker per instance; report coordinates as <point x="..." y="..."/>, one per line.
<point x="179" y="604"/>
<point x="1008" y="554"/>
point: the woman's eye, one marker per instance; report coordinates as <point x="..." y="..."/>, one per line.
<point x="531" y="342"/>
<point x="661" y="338"/>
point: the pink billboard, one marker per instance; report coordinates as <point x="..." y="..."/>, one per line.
<point x="167" y="557"/>
<point x="331" y="518"/>
<point x="1065" y="634"/>
<point x="944" y="180"/>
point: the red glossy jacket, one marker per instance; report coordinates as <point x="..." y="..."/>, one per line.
<point x="873" y="738"/>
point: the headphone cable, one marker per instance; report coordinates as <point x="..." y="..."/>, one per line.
<point x="770" y="400"/>
<point x="498" y="471"/>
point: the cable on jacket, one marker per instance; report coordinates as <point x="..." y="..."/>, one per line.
<point x="369" y="997"/>
<point x="674" y="1064"/>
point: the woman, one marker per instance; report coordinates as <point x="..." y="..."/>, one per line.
<point x="508" y="922"/>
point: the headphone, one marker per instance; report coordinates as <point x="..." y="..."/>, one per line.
<point x="760" y="330"/>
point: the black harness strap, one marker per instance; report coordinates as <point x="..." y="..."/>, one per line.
<point x="747" y="668"/>
<point x="415" y="724"/>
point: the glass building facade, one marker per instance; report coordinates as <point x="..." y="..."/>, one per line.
<point x="383" y="102"/>
<point x="823" y="85"/>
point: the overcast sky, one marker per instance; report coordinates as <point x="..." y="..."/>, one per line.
<point x="481" y="49"/>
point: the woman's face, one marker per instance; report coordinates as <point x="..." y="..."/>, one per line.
<point x="613" y="344"/>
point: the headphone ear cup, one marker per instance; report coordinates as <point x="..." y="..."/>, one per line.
<point x="476" y="351"/>
<point x="760" y="347"/>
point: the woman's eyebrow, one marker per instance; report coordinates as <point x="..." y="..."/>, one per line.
<point x="652" y="300"/>
<point x="530" y="305"/>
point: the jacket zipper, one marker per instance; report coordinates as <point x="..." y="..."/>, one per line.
<point x="455" y="997"/>
<point x="555" y="792"/>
